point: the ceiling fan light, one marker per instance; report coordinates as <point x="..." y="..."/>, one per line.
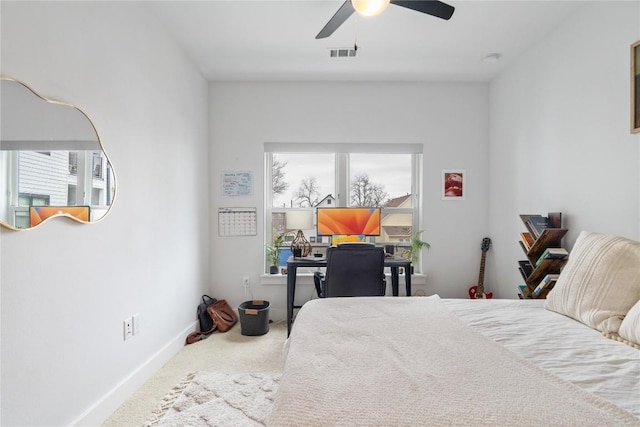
<point x="369" y="7"/>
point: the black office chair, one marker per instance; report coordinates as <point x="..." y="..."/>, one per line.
<point x="353" y="270"/>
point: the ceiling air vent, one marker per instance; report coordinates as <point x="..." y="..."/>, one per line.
<point x="342" y="52"/>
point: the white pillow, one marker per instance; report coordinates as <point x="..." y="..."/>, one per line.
<point x="600" y="282"/>
<point x="630" y="326"/>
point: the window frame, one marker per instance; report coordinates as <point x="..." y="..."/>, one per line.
<point x="342" y="179"/>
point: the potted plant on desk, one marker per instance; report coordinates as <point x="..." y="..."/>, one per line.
<point x="416" y="245"/>
<point x="273" y="251"/>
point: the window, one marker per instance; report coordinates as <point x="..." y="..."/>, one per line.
<point x="21" y="216"/>
<point x="97" y="165"/>
<point x="304" y="177"/>
<point x="72" y="192"/>
<point x="25" y="199"/>
<point x="73" y="162"/>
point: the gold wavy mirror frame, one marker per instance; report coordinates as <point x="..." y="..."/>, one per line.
<point x="52" y="163"/>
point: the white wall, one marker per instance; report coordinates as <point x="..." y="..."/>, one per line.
<point x="560" y="139"/>
<point x="66" y="288"/>
<point x="451" y="120"/>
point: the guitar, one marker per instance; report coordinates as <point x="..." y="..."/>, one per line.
<point x="477" y="291"/>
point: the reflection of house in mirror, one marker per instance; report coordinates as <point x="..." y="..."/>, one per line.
<point x="59" y="178"/>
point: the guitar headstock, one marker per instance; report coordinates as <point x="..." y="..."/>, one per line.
<point x="486" y="244"/>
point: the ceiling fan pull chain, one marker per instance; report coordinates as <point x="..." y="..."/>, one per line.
<point x="355" y="42"/>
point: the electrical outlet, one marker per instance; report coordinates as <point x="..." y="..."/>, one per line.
<point x="128" y="328"/>
<point x="135" y="327"/>
<point x="245" y="282"/>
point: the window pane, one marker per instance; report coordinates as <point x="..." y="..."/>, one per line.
<point x="73" y="162"/>
<point x="396" y="230"/>
<point x="96" y="197"/>
<point x="71" y="195"/>
<point x="302" y="180"/>
<point x="384" y="180"/>
<point x="278" y="227"/>
<point x="32" y="200"/>
<point x="380" y="180"/>
<point x="22" y="219"/>
<point x="97" y="165"/>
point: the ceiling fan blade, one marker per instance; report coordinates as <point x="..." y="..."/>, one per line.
<point x="431" y="7"/>
<point x="345" y="11"/>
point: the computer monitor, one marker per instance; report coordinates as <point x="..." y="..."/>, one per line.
<point x="348" y="221"/>
<point x="37" y="214"/>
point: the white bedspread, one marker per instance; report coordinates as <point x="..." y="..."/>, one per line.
<point x="411" y="362"/>
<point x="569" y="349"/>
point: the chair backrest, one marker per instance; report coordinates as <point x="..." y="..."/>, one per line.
<point x="354" y="269"/>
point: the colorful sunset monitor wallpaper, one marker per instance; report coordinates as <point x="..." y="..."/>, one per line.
<point x="37" y="214"/>
<point x="349" y="221"/>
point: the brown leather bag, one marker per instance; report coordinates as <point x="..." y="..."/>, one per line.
<point x="222" y="315"/>
<point x="223" y="318"/>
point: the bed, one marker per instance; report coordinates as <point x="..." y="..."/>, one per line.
<point x="426" y="361"/>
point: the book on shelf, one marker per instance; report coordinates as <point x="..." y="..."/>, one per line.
<point x="552" y="253"/>
<point x="522" y="293"/>
<point x="527" y="240"/>
<point x="537" y="224"/>
<point x="525" y="268"/>
<point x="525" y="220"/>
<point x="547" y="282"/>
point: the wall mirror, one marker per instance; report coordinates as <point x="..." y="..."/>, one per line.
<point x="52" y="163"/>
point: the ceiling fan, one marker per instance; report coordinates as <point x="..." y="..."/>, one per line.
<point x="373" y="7"/>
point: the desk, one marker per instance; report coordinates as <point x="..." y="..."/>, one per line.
<point x="292" y="267"/>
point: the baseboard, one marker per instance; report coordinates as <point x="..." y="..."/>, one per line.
<point x="102" y="409"/>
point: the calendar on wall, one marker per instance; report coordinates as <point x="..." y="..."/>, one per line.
<point x="237" y="222"/>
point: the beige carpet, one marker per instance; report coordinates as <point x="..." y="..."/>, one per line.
<point x="230" y="353"/>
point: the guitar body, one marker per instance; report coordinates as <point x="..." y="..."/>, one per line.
<point x="477" y="291"/>
<point x="473" y="294"/>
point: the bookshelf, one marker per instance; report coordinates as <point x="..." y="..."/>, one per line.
<point x="545" y="232"/>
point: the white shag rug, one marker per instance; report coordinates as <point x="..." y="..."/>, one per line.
<point x="218" y="399"/>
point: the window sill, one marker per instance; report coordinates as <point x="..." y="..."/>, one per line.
<point x="306" y="277"/>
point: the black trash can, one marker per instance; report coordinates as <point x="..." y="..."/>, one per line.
<point x="254" y="317"/>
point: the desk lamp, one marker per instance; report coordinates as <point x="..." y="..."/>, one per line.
<point x="302" y="220"/>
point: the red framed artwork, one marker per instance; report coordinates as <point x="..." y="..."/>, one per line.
<point x="453" y="184"/>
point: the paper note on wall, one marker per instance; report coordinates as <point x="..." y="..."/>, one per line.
<point x="236" y="184"/>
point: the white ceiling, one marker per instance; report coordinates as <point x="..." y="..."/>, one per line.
<point x="275" y="39"/>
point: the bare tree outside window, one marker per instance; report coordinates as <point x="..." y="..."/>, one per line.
<point x="308" y="193"/>
<point x="279" y="185"/>
<point x="365" y="193"/>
